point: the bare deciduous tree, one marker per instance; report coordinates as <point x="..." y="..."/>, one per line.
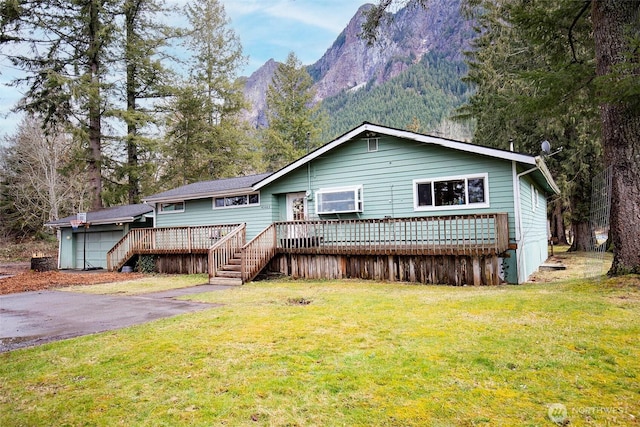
<point x="38" y="183"/>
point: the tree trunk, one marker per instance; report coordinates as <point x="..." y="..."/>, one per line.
<point x="94" y="107"/>
<point x="583" y="238"/>
<point x="613" y="21"/>
<point x="558" y="231"/>
<point x="131" y="12"/>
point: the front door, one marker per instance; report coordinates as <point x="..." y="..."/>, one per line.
<point x="296" y="211"/>
<point x="296" y="207"/>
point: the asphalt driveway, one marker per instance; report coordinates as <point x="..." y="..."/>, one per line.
<point x="33" y="318"/>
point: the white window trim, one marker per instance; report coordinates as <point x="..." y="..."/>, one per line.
<point x="163" y="212"/>
<point x="535" y="198"/>
<point x="358" y="201"/>
<point x="467" y="205"/>
<point x="248" y="205"/>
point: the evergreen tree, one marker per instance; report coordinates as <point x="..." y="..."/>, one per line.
<point x="146" y="79"/>
<point x="186" y="148"/>
<point x="294" y="123"/>
<point x="68" y="45"/>
<point x="513" y="102"/>
<point x="206" y="137"/>
<point x="616" y="31"/>
<point x="589" y="44"/>
<point x="77" y="52"/>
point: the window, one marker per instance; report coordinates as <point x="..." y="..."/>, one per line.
<point x="372" y="144"/>
<point x="172" y="207"/>
<point x="535" y="199"/>
<point x="339" y="200"/>
<point x="460" y="192"/>
<point x="236" y="201"/>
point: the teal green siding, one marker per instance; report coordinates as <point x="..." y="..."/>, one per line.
<point x="67" y="249"/>
<point x="534" y="237"/>
<point x="386" y="176"/>
<point x="387" y="179"/>
<point x="201" y="212"/>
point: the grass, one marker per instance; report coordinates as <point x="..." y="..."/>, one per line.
<point x="155" y="283"/>
<point x="356" y="353"/>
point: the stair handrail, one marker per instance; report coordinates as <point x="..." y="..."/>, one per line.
<point x="225" y="248"/>
<point x="122" y="250"/>
<point x="257" y="253"/>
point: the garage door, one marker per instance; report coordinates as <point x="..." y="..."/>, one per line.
<point x="97" y="246"/>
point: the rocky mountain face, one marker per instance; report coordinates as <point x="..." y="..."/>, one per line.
<point x="351" y="62"/>
<point x="255" y="92"/>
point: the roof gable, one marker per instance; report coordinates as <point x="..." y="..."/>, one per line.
<point x="368" y="128"/>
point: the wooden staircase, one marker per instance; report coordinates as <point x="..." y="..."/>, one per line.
<point x="232" y="262"/>
<point x="230" y="273"/>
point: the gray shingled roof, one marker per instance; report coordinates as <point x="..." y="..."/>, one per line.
<point x="115" y="214"/>
<point x="207" y="188"/>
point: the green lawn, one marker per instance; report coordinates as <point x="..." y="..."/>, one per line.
<point x="353" y="353"/>
<point x="154" y="283"/>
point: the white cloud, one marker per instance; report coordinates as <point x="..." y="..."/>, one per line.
<point x="330" y="15"/>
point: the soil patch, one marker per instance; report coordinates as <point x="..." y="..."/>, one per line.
<point x="21" y="279"/>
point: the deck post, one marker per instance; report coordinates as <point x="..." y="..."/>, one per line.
<point x="477" y="271"/>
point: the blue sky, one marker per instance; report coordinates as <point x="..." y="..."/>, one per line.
<point x="272" y="29"/>
<point x="266" y="28"/>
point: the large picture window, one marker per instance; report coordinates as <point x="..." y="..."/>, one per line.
<point x="339" y="200"/>
<point x="459" y="192"/>
<point x="236" y="201"/>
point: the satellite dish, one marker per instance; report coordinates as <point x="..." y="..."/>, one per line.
<point x="546" y="146"/>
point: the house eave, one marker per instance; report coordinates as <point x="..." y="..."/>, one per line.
<point x="196" y="196"/>
<point x="546" y="173"/>
<point x="107" y="221"/>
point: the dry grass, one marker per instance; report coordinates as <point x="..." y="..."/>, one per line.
<point x="580" y="265"/>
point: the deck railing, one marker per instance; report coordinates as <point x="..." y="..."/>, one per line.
<point x="165" y="240"/>
<point x="485" y="234"/>
<point x="438" y="235"/>
<point x="258" y="252"/>
<point x="226" y="248"/>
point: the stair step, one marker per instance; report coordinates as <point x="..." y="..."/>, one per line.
<point x="235" y="261"/>
<point x="231" y="267"/>
<point x="230" y="274"/>
<point x="227" y="281"/>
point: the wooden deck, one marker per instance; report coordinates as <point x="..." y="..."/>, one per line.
<point x="445" y="235"/>
<point x="166" y="241"/>
<point x="479" y="239"/>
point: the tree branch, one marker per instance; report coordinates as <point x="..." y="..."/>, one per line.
<point x="586" y="5"/>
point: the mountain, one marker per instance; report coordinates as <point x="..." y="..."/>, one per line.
<point x="420" y="98"/>
<point x="255" y="92"/>
<point x="351" y="63"/>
